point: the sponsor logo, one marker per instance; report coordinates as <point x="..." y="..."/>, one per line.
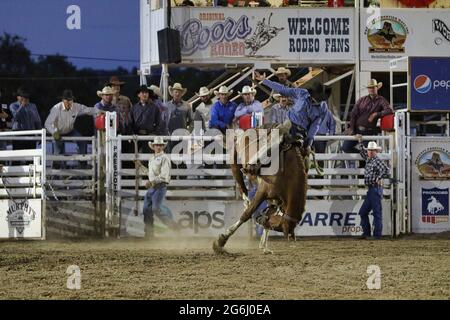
<point x="19" y="216"/>
<point x="386" y="34"/>
<point x="201" y="220"/>
<point x="435" y="205"/>
<point x="433" y="164"/>
<point x="441" y="27"/>
<point x="422" y="83"/>
<point x="345" y="222"/>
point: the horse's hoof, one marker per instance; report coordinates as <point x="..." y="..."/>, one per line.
<point x="222" y="240"/>
<point x="218" y="249"/>
<point x="267" y="251"/>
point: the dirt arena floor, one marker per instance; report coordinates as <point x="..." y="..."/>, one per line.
<point x="411" y="268"/>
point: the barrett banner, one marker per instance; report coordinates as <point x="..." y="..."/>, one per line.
<point x="21" y="219"/>
<point x="430" y="84"/>
<point x="430" y="184"/>
<point x="209" y="34"/>
<point x="393" y="33"/>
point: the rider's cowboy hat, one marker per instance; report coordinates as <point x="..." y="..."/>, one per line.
<point x="204" y="91"/>
<point x="157" y="141"/>
<point x="373" y="146"/>
<point x="374" y="83"/>
<point x="247" y="90"/>
<point x="281" y="70"/>
<point x="105" y="91"/>
<point x="179" y="87"/>
<point x="223" y="89"/>
<point x="114" y="81"/>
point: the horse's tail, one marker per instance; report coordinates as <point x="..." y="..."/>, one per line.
<point x="316" y="164"/>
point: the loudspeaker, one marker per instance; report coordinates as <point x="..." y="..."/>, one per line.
<point x="169" y="46"/>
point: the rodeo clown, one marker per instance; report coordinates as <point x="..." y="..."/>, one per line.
<point x="374" y="172"/>
<point x="304" y="116"/>
<point x="158" y="179"/>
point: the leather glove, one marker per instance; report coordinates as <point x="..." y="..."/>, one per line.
<point x="57" y="135"/>
<point x="149" y="185"/>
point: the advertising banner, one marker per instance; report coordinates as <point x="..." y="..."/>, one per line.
<point x="214" y="34"/>
<point x="209" y="218"/>
<point x="430" y="84"/>
<point x="393" y="33"/>
<point x="21" y="219"/>
<point x="430" y="184"/>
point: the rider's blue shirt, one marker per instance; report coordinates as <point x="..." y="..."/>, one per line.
<point x="303" y="113"/>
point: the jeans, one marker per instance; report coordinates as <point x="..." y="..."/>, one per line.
<point x="152" y="206"/>
<point x="59" y="146"/>
<point x="372" y="202"/>
<point x="259" y="211"/>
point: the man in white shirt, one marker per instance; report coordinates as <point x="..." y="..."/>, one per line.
<point x="61" y="120"/>
<point x="158" y="180"/>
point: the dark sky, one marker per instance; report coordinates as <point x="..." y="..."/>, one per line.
<point x="109" y="30"/>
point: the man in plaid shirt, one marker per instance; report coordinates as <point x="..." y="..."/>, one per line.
<point x="374" y="172"/>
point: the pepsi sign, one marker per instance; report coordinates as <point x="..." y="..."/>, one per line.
<point x="430" y="87"/>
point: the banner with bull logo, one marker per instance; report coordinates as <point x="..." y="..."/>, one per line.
<point x="21" y="219"/>
<point x="209" y="35"/>
<point x="430" y="184"/>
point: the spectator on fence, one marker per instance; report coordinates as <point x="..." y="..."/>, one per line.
<point x="282" y="75"/>
<point x="5" y="122"/>
<point x="145" y="116"/>
<point x="279" y="111"/>
<point x="61" y="120"/>
<point x="203" y="110"/>
<point x="366" y="111"/>
<point x="328" y="125"/>
<point x="248" y="105"/>
<point x="181" y="116"/>
<point x="222" y="111"/>
<point x="106" y="105"/>
<point x="374" y="172"/>
<point x="158" y="180"/>
<point x="123" y="104"/>
<point x="25" y="117"/>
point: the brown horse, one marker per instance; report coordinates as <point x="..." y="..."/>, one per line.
<point x="285" y="191"/>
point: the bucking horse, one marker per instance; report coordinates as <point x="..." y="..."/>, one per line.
<point x="285" y="190"/>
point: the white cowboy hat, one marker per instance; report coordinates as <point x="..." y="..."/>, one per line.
<point x="156" y="90"/>
<point x="105" y="91"/>
<point x="247" y="89"/>
<point x="158" y="140"/>
<point x="373" y="83"/>
<point x="177" y="86"/>
<point x="223" y="89"/>
<point x="204" y="91"/>
<point x="373" y="146"/>
<point x="281" y="70"/>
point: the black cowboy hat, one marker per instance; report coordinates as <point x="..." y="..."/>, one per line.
<point x="22" y="92"/>
<point x="144" y="88"/>
<point x="67" y="95"/>
<point x="319" y="92"/>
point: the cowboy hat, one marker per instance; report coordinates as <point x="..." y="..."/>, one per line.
<point x="22" y="92"/>
<point x="223" y="89"/>
<point x="204" y="91"/>
<point x="281" y="70"/>
<point x="373" y="146"/>
<point x="144" y="88"/>
<point x="105" y="91"/>
<point x="114" y="81"/>
<point x="247" y="89"/>
<point x="373" y="83"/>
<point x="67" y="95"/>
<point x="157" y="141"/>
<point x="179" y="87"/>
